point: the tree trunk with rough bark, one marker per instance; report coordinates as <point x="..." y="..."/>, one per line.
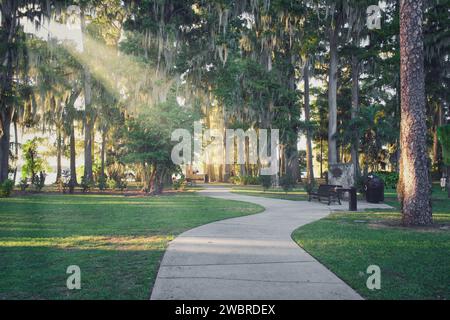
<point x="73" y="167"/>
<point x="309" y="151"/>
<point x="332" y="96"/>
<point x="355" y="110"/>
<point x="9" y="27"/>
<point x="16" y="149"/>
<point x="88" y="118"/>
<point x="103" y="153"/>
<point x="414" y="188"/>
<point x="58" y="154"/>
<point x="5" y="140"/>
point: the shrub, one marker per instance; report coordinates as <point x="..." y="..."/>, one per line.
<point x="390" y="179"/>
<point x="110" y="183"/>
<point x="235" y="180"/>
<point x="250" y="180"/>
<point x="63" y="183"/>
<point x="6" y="188"/>
<point x="39" y="181"/>
<point x="180" y="184"/>
<point x="266" y="182"/>
<point x="102" y="185"/>
<point x="287" y="183"/>
<point x="309" y="186"/>
<point x="85" y="184"/>
<point x="245" y="180"/>
<point x="23" y="184"/>
<point x="120" y="185"/>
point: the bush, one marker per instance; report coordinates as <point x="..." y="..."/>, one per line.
<point x="390" y="179"/>
<point x="6" y="188"/>
<point x="309" y="186"/>
<point x="250" y="180"/>
<point x="86" y="184"/>
<point x="287" y="183"/>
<point x="235" y="180"/>
<point x="121" y="185"/>
<point x="110" y="184"/>
<point x="39" y="181"/>
<point x="23" y="184"/>
<point x="266" y="182"/>
<point x="179" y="184"/>
<point x="245" y="180"/>
<point x="102" y="185"/>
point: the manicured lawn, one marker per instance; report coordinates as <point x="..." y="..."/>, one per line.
<point x="298" y="194"/>
<point x="414" y="262"/>
<point x="117" y="241"/>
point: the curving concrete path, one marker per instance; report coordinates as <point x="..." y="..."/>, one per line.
<point x="248" y="258"/>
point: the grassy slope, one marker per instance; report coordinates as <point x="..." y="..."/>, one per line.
<point x="117" y="241"/>
<point x="414" y="262"/>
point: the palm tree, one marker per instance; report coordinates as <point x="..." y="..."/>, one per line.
<point x="414" y="185"/>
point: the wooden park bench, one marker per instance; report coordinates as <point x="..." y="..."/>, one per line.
<point x="325" y="191"/>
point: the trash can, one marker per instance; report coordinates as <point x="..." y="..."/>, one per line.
<point x="374" y="187"/>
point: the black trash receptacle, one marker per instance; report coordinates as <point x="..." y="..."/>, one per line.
<point x="374" y="189"/>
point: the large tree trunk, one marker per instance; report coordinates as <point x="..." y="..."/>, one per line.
<point x="102" y="155"/>
<point x="309" y="152"/>
<point x="355" y="110"/>
<point x="9" y="27"/>
<point x="292" y="156"/>
<point x="438" y="121"/>
<point x="5" y="139"/>
<point x="16" y="149"/>
<point x="332" y="96"/>
<point x="58" y="154"/>
<point x="88" y="121"/>
<point x="414" y="187"/>
<point x="73" y="167"/>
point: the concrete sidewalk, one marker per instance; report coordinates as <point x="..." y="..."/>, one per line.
<point x="251" y="257"/>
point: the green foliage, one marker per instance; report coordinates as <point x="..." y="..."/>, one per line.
<point x="287" y="183"/>
<point x="39" y="181"/>
<point x="23" y="184"/>
<point x="390" y="179"/>
<point x="116" y="184"/>
<point x="309" y="186"/>
<point x="266" y="182"/>
<point x="101" y="183"/>
<point x="121" y="185"/>
<point x="180" y="184"/>
<point x="444" y="139"/>
<point x="235" y="180"/>
<point x="33" y="164"/>
<point x="245" y="180"/>
<point x="6" y="188"/>
<point x="86" y="184"/>
<point x="111" y="184"/>
<point x="146" y="138"/>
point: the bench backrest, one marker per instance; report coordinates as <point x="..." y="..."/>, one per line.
<point x="326" y="189"/>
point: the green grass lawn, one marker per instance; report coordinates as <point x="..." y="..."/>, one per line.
<point x="414" y="262"/>
<point x="117" y="241"/>
<point x="297" y="194"/>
